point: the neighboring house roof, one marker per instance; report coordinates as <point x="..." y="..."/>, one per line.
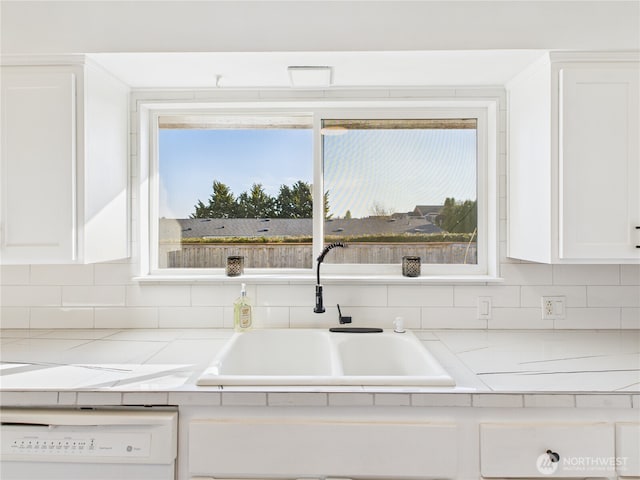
<point x="423" y="210"/>
<point x="279" y="227"/>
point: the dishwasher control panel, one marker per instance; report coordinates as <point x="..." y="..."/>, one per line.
<point x="61" y="442"/>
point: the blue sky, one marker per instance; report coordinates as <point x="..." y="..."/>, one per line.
<point x="393" y="169"/>
<point x="191" y="159"/>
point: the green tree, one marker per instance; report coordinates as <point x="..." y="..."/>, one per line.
<point x="256" y="203"/>
<point x="347" y="215"/>
<point x="294" y="201"/>
<point x="202" y="211"/>
<point x="458" y="217"/>
<point x="222" y="203"/>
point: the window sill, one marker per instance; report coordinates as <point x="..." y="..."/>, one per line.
<point x="310" y="279"/>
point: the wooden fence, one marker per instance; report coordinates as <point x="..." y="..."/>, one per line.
<point x="284" y="255"/>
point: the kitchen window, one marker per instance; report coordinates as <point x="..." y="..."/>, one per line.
<point x="276" y="185"/>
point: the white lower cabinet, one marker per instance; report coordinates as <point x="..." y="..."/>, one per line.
<point x="295" y="448"/>
<point x="576" y="450"/>
<point x="628" y="450"/>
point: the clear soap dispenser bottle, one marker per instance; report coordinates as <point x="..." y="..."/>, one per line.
<point x="242" y="311"/>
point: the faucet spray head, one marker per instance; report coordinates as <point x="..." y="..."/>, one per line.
<point x="319" y="308"/>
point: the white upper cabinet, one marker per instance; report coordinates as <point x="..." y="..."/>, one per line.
<point x="64" y="165"/>
<point x="574" y="160"/>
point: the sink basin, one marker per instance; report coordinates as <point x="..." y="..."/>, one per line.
<point x="320" y="357"/>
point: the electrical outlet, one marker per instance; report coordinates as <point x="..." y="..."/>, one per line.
<point x="484" y="308"/>
<point x="553" y="308"/>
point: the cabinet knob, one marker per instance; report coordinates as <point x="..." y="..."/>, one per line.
<point x="553" y="456"/>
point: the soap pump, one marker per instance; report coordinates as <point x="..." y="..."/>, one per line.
<point x="242" y="311"/>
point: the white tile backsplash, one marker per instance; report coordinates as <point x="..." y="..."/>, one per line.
<point x="62" y="274"/>
<point x="98" y="296"/>
<point x="621" y="296"/>
<point x="106" y="296"/>
<point x="61" y="317"/>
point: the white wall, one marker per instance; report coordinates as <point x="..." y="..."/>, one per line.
<point x="104" y="296"/>
<point x="174" y="26"/>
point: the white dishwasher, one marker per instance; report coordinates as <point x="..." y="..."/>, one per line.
<point x="56" y="444"/>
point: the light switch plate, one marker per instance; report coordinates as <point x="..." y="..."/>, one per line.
<point x="484" y="308"/>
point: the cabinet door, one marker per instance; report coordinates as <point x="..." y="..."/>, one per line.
<point x="628" y="450"/>
<point x="295" y="448"/>
<point x="38" y="166"/>
<point x="523" y="450"/>
<point x="599" y="174"/>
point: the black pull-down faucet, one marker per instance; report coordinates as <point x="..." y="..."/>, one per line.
<point x="319" y="308"/>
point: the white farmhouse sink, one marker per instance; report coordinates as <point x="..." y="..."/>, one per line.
<point x="320" y="357"/>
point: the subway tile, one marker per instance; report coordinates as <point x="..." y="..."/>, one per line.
<point x="145" y="398"/>
<point x="586" y="275"/>
<point x="458" y="317"/>
<point x="526" y="274"/>
<point x="114" y="273"/>
<point x="26" y="296"/>
<point x="99" y="398"/>
<point x="590" y="318"/>
<point x="441" y="399"/>
<point x="501" y="296"/>
<point x="271" y="317"/>
<point x="603" y="401"/>
<point x="101" y="296"/>
<point x="497" y="400"/>
<point x="61" y="317"/>
<point x="350" y="399"/>
<point x="297" y="399"/>
<point x="552" y="401"/>
<point x="305" y="317"/>
<point x="158" y="295"/>
<point x="392" y="399"/>
<point x="630" y="274"/>
<point x="218" y="295"/>
<point x="630" y="318"/>
<point x="131" y="317"/>
<point x="14" y="274"/>
<point x="420" y="296"/>
<point x="518" y="318"/>
<point x="244" y="399"/>
<point x="354" y="296"/>
<point x="67" y="398"/>
<point x="284" y="295"/>
<point x="190" y="317"/>
<point x="531" y="296"/>
<point x="23" y="399"/>
<point x="14" y="317"/>
<point x="619" y="296"/>
<point x="194" y="398"/>
<point x="62" y="274"/>
<point x="635" y="401"/>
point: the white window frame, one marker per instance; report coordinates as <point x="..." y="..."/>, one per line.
<point x="485" y="111"/>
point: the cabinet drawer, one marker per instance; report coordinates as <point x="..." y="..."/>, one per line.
<point x="285" y="448"/>
<point x="628" y="449"/>
<point x="519" y="450"/>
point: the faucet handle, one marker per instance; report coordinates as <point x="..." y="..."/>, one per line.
<point x="398" y="325"/>
<point x="341" y="318"/>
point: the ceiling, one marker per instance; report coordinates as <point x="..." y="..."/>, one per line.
<point x="349" y="69"/>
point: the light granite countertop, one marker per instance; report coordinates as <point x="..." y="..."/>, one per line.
<point x="160" y="365"/>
